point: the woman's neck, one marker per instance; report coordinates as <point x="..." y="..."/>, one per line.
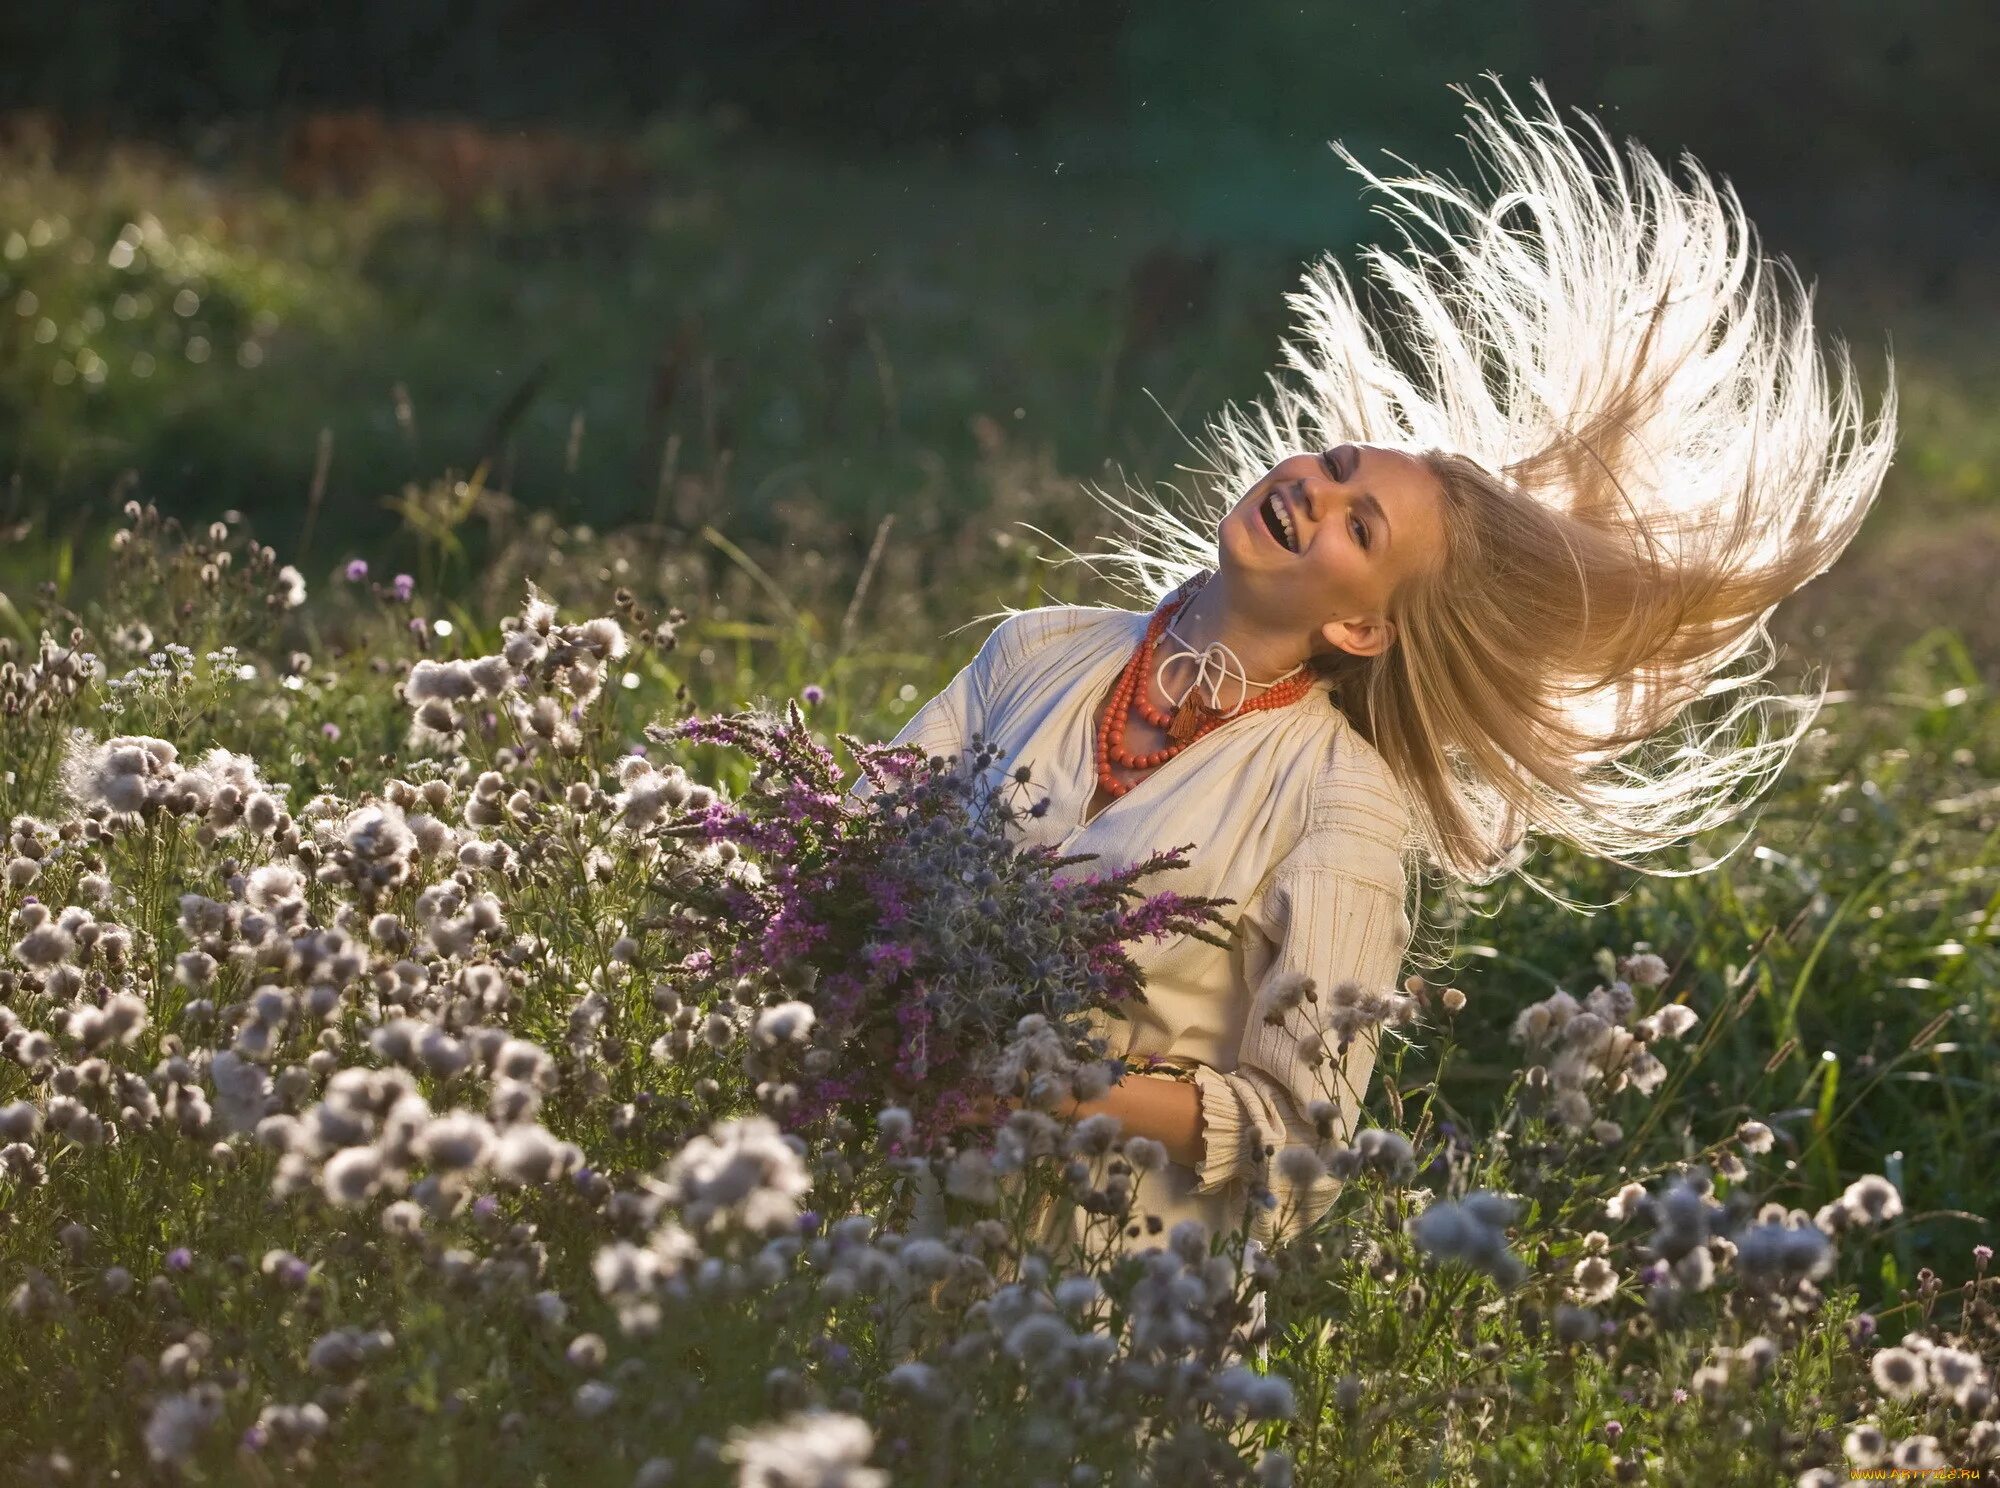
<point x="1209" y="617"/>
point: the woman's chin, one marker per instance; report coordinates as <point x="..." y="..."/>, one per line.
<point x="1231" y="540"/>
<point x="1240" y="549"/>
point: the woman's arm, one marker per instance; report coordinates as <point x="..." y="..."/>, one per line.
<point x="1168" y="1111"/>
<point x="1332" y="927"/>
<point x="1335" y="911"/>
<point x="944" y="725"/>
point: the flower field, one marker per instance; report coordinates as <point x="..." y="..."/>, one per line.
<point x="485" y="1050"/>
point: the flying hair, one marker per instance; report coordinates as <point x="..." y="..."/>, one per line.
<point x="1641" y="451"/>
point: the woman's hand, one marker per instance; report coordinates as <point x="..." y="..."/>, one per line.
<point x="988" y="1109"/>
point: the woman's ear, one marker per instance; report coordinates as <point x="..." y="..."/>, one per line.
<point x="1364" y="635"/>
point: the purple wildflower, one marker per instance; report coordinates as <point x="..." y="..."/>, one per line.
<point x="403" y="587"/>
<point x="180" y="1258"/>
<point x="331" y="730"/>
<point x="357" y="570"/>
<point x="814" y="694"/>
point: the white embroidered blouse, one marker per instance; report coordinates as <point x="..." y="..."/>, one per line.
<point x="1288" y="812"/>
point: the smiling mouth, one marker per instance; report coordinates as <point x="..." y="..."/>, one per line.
<point x="1279" y="520"/>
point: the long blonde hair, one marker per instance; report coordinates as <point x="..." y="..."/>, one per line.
<point x="1641" y="454"/>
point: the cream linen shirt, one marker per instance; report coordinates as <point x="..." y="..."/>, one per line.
<point x="1288" y="812"/>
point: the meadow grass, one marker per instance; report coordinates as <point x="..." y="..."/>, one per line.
<point x="179" y="1278"/>
<point x="178" y="1282"/>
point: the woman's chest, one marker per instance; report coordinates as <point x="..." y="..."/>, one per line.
<point x="1230" y="805"/>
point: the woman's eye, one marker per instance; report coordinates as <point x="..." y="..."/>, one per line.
<point x="1360" y="530"/>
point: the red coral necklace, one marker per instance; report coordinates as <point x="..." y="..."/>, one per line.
<point x="1189" y="721"/>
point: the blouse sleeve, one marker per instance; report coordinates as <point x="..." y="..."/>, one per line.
<point x="945" y="725"/>
<point x="1333" y="910"/>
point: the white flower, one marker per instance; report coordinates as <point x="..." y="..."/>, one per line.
<point x="1898" y="1373"/>
<point x="1353" y="1009"/>
<point x="786" y="1023"/>
<point x="1038" y="1340"/>
<point x="1260" y="1397"/>
<point x="1078" y="1293"/>
<point x="1386" y="1152"/>
<point x="352" y="1176"/>
<point x="1769" y="1253"/>
<point x="121" y="774"/>
<point x="1575" y="1324"/>
<point x="1955" y="1374"/>
<point x="1866" y="1446"/>
<point x="344" y="1350"/>
<point x="1627" y="1202"/>
<point x="242" y="1090"/>
<point x="1596" y="1280"/>
<point x="178" y="1423"/>
<point x="44" y="946"/>
<point x="1148" y="1156"/>
<point x="440" y="682"/>
<point x="812" y="1449"/>
<point x="970" y="1177"/>
<point x="1917" y="1454"/>
<point x="1284" y="992"/>
<point x="744" y="1174"/>
<point x="270" y="886"/>
<point x="1684" y="1214"/>
<point x="1643" y="969"/>
<point x="517" y="1059"/>
<point x="1472" y="1231"/>
<point x="1671" y="1022"/>
<point x="624" y="1272"/>
<point x="529" y="1154"/>
<point x="403" y="1220"/>
<point x="1871" y="1200"/>
<point x="1299" y="1166"/>
<point x="456" y="1140"/>
<point x="1541" y="1022"/>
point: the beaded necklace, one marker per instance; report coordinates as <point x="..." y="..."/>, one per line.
<point x="1191" y="719"/>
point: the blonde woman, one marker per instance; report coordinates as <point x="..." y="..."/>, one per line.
<point x="1457" y="590"/>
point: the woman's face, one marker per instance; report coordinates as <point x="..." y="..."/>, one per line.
<point x="1322" y="541"/>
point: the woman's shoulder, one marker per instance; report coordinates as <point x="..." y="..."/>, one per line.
<point x="1022" y="633"/>
<point x="1358" y="806"/>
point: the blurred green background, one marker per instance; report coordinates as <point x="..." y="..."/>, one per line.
<point x="730" y="274"/>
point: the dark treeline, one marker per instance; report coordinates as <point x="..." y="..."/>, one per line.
<point x="1793" y="92"/>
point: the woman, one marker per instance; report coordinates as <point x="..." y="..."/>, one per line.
<point x="1460" y="596"/>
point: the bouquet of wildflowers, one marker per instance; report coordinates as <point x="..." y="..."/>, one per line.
<point x="932" y="960"/>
